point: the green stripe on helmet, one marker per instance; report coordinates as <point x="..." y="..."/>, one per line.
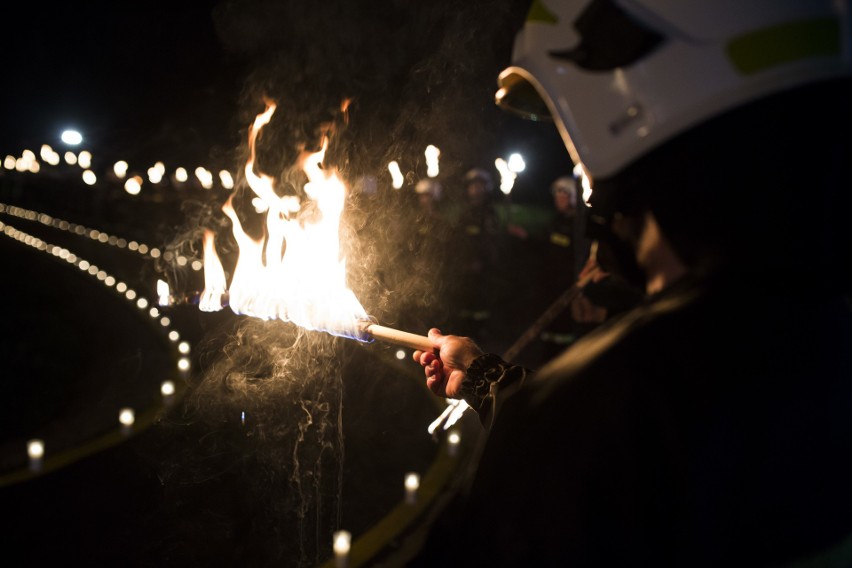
<point x="785" y="43"/>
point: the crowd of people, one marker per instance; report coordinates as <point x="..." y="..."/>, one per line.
<point x="507" y="272"/>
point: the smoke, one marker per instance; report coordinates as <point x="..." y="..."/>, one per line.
<point x="414" y="74"/>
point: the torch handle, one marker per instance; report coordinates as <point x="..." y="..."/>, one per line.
<point x="401" y="338"/>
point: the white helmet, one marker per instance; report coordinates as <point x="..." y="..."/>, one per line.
<point x="479" y="174"/>
<point x="624" y="76"/>
<point x="430" y="187"/>
<point x="566" y="184"/>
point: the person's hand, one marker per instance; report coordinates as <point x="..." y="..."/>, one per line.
<point x="584" y="311"/>
<point x="445" y="367"/>
<point x="592" y="271"/>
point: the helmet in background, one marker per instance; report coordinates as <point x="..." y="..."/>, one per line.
<point x="428" y="187"/>
<point x="478" y="174"/>
<point x="566" y="184"/>
<point x="621" y="77"/>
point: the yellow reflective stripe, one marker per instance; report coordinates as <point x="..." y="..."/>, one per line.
<point x="560" y="240"/>
<point x="539" y="13"/>
<point x="784" y="43"/>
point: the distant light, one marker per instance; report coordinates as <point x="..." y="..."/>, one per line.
<point x="126" y="416"/>
<point x="35" y="449"/>
<point x="167" y="388"/>
<point x="205" y="177"/>
<point x="516" y="163"/>
<point x="85" y="159"/>
<point x="432" y="155"/>
<point x="507" y="176"/>
<point x="120" y="169"/>
<point x="227" y="179"/>
<point x="396" y="174"/>
<point x="133" y="185"/>
<point x="72" y="137"/>
<point x="400" y="354"/>
<point x="342" y="542"/>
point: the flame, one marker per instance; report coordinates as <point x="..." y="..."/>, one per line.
<point x="396" y="174"/>
<point x="507" y="176"/>
<point x="432" y="166"/>
<point x="295" y="271"/>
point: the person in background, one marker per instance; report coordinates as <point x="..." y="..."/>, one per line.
<point x="478" y="238"/>
<point x="709" y="425"/>
<point x="429" y="193"/>
<point x="566" y="265"/>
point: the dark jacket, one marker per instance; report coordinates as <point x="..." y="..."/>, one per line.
<point x="710" y="426"/>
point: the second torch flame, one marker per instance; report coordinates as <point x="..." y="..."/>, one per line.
<point x="295" y="272"/>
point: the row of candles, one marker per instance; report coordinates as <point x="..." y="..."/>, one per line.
<point x="126" y="418"/>
<point x="342" y="539"/>
<point x="28" y="161"/>
<point x="127" y="415"/>
<point x="99" y="236"/>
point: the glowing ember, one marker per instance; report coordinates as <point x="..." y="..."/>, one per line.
<point x="295" y="271"/>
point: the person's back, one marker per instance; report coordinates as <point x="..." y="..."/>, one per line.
<point x="644" y="445"/>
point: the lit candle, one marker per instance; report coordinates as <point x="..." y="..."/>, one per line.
<point x="127" y="417"/>
<point x="453" y="443"/>
<point x="412" y="483"/>
<point x="167" y="389"/>
<point x="35" y="450"/>
<point x="342" y="543"/>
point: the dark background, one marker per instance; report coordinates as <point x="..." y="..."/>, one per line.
<point x="181" y="82"/>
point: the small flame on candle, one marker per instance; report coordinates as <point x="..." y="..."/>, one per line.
<point x="412" y="484"/>
<point x="126" y="416"/>
<point x="341" y="545"/>
<point x="453" y="441"/>
<point x="35" y="449"/>
<point x="397" y="178"/>
<point x="432" y="154"/>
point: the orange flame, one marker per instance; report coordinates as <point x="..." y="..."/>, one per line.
<point x="294" y="272"/>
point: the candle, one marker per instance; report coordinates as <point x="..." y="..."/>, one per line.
<point x="412" y="483"/>
<point x="342" y="542"/>
<point x="126" y="417"/>
<point x="167" y="389"/>
<point x="35" y="451"/>
<point x="453" y="443"/>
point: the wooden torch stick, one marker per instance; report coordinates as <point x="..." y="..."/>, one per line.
<point x="397" y="337"/>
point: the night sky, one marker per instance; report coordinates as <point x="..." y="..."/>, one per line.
<point x="173" y="82"/>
